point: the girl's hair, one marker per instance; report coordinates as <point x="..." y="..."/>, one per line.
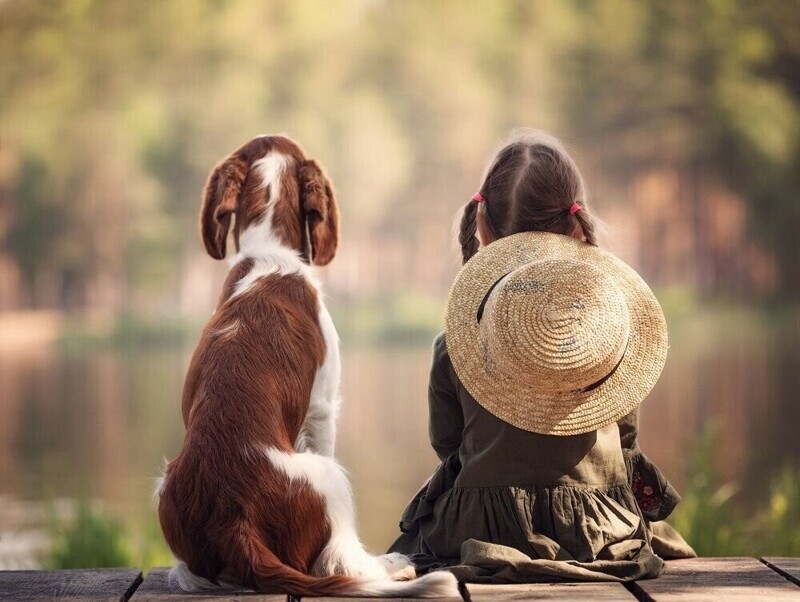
<point x="530" y="185"/>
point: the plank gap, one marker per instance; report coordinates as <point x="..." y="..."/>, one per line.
<point x="113" y="584"/>
<point x="132" y="589"/>
<point x="637" y="592"/>
<point x="786" y="575"/>
<point x="156" y="588"/>
<point x="728" y="579"/>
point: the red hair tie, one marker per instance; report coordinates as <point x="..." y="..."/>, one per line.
<point x="574" y="208"/>
<point x="477" y="197"/>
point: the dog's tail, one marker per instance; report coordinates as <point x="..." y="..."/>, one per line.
<point x="440" y="584"/>
<point x="270" y="575"/>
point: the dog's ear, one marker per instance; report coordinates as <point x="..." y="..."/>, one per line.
<point x="221" y="201"/>
<point x="320" y="210"/>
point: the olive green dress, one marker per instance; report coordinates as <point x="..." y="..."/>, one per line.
<point x="508" y="505"/>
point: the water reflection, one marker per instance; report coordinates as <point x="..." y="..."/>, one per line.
<point x="96" y="424"/>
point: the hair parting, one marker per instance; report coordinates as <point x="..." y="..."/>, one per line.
<point x="531" y="185"/>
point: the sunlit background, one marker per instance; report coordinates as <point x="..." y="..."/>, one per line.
<point x="683" y="116"/>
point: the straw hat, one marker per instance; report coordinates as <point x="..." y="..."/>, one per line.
<point x="554" y="335"/>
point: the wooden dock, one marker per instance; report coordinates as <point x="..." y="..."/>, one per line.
<point x="714" y="579"/>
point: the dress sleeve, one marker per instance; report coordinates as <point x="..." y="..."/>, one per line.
<point x="446" y="420"/>
<point x="629" y="430"/>
<point x="654" y="494"/>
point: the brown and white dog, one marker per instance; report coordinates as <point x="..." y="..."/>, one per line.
<point x="255" y="497"/>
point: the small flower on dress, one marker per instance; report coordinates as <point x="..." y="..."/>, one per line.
<point x="647" y="504"/>
<point x="644" y="493"/>
<point x="636" y="481"/>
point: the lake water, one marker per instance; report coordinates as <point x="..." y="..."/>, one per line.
<point x="95" y="424"/>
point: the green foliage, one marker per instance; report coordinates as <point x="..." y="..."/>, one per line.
<point x="404" y="319"/>
<point x="130" y="331"/>
<point x="95" y="538"/>
<point x="780" y="521"/>
<point x="37" y="221"/>
<point x="712" y="521"/>
<point x="705" y="517"/>
<point x="148" y="546"/>
<point x="710" y="89"/>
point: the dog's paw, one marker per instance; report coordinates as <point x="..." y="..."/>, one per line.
<point x="346" y="556"/>
<point x="398" y="567"/>
<point x="368" y="568"/>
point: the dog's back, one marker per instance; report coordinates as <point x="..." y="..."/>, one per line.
<point x="247" y="391"/>
<point x="255" y="497"/>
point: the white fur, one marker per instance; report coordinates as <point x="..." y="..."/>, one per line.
<point x="318" y="433"/>
<point x="287" y="262"/>
<point x="229" y="331"/>
<point x="160" y="479"/>
<point x="258" y="242"/>
<point x="434" y="585"/>
<point x="180" y="577"/>
<point x="270" y="257"/>
<point x="344" y="554"/>
<point x="270" y="167"/>
<point x="439" y="584"/>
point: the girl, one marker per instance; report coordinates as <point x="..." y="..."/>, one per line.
<point x="550" y="345"/>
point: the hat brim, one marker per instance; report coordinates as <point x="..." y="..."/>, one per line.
<point x="511" y="397"/>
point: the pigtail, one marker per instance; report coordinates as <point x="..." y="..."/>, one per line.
<point x="587" y="224"/>
<point x="467" y="238"/>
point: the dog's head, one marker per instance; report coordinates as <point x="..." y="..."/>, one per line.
<point x="277" y="195"/>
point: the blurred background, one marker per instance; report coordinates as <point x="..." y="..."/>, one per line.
<point x="683" y="116"/>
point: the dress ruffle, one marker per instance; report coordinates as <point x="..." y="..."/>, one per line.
<point x="519" y="533"/>
<point x="553" y="523"/>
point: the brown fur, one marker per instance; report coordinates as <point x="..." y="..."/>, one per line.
<point x="224" y="509"/>
<point x="235" y="405"/>
<point x="321" y="211"/>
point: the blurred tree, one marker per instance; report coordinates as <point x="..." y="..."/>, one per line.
<point x="113" y="112"/>
<point x="701" y="89"/>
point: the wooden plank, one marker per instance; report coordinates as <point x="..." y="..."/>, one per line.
<point x="156" y="589"/>
<point x="85" y="584"/>
<point x="549" y="591"/>
<point x="788" y="567"/>
<point x="355" y="599"/>
<point x="695" y="579"/>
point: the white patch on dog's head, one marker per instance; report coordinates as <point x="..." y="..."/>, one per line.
<point x="270" y="167"/>
<point x="258" y="241"/>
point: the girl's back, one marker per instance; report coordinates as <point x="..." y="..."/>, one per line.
<point x="493" y="453"/>
<point x="536" y="469"/>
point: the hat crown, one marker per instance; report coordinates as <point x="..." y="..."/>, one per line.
<point x="512" y="313"/>
<point x="562" y="323"/>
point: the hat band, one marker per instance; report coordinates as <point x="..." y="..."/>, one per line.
<point x="482" y="306"/>
<point x="596" y="384"/>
